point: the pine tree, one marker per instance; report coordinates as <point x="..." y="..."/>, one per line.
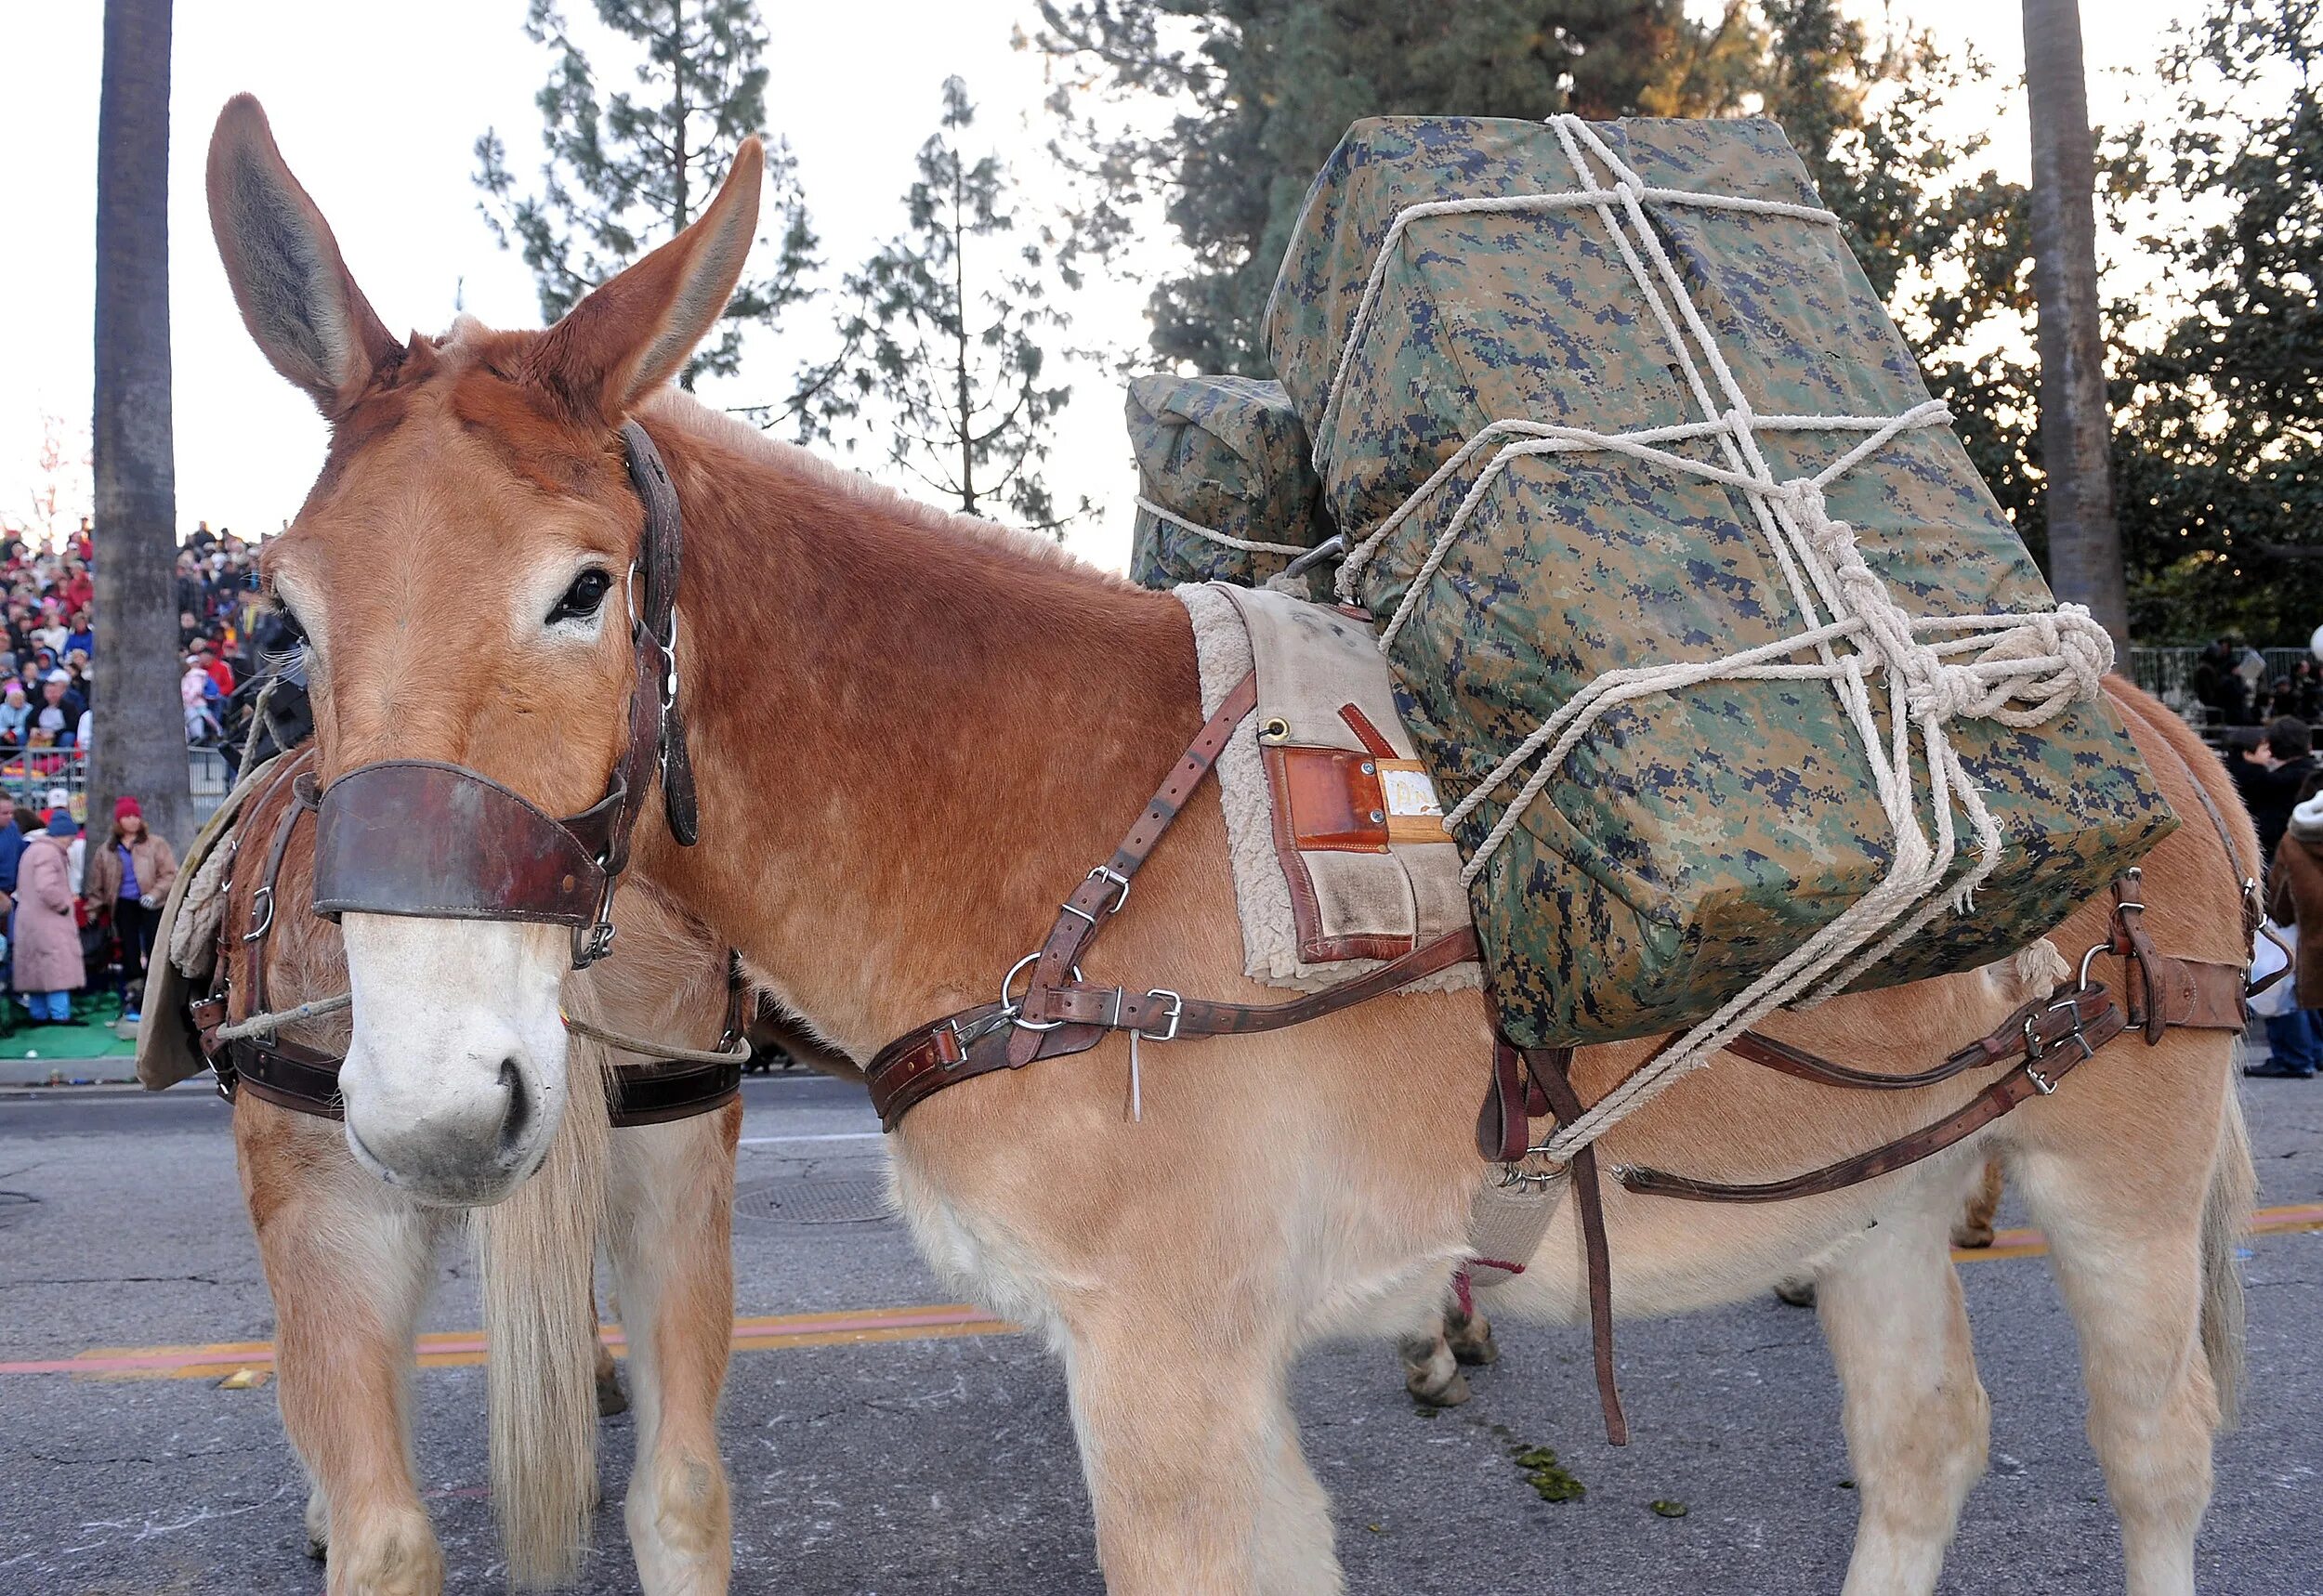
<point x="2218" y="442"/>
<point x="626" y="170"/>
<point x="945" y="350"/>
<point x="1269" y="85"/>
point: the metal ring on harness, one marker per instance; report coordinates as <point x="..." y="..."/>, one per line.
<point x="1013" y="1012"/>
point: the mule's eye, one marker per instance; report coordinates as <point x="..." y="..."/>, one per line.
<point x="580" y="600"/>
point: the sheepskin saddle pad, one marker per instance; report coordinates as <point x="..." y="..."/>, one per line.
<point x="1340" y="856"/>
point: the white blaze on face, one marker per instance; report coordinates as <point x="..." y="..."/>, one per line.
<point x="454" y="1078"/>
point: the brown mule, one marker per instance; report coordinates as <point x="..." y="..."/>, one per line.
<point x="348" y="1262"/>
<point x="912" y="734"/>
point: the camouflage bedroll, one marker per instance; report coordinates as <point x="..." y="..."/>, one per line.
<point x="1665" y="537"/>
<point x="1227" y="486"/>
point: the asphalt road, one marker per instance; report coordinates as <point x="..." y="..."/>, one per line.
<point x="948" y="1464"/>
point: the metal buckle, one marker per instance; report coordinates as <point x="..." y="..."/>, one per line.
<point x="595" y="940"/>
<point x="966" y="1037"/>
<point x="1177" y="1010"/>
<point x="2036" y="1050"/>
<point x="264" y="895"/>
<point x="1516" y="1174"/>
<point x="1119" y="880"/>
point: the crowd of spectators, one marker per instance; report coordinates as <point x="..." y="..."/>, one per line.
<point x="48" y="654"/>
<point x="219" y="612"/>
<point x="2232" y="679"/>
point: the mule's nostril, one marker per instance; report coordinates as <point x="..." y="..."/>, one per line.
<point x="518" y="1117"/>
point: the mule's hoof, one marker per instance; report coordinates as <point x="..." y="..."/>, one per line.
<point x="1431" y="1393"/>
<point x="1798" y="1293"/>
<point x="1972" y="1235"/>
<point x="611" y="1398"/>
<point x="1474" y="1350"/>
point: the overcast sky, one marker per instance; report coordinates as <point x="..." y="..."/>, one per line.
<point x="377" y="108"/>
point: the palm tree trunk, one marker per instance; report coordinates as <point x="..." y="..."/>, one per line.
<point x="140" y="739"/>
<point x="2084" y="541"/>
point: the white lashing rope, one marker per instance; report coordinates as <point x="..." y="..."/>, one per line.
<point x="1247" y="545"/>
<point x="267" y="1024"/>
<point x="2026" y="670"/>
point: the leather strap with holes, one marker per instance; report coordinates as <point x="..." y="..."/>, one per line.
<point x="1103" y="891"/>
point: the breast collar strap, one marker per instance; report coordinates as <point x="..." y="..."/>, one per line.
<point x="443" y="842"/>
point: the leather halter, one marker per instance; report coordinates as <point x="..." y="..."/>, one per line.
<point x="443" y="842"/>
<point x="306" y="1080"/>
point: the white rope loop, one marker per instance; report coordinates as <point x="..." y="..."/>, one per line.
<point x="1246" y="544"/>
<point x="2016" y="670"/>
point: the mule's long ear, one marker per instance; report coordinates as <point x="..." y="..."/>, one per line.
<point x="633" y="331"/>
<point x="295" y="293"/>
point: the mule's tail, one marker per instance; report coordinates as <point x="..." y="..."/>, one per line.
<point x="536" y="1255"/>
<point x="2225" y="1219"/>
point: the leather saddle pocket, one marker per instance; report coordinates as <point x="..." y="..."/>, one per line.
<point x="1332" y="798"/>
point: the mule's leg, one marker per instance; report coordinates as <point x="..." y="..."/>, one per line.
<point x="1974" y="1227"/>
<point x="1192" y="1458"/>
<point x="1295" y="1556"/>
<point x="671" y="1209"/>
<point x="348" y="1263"/>
<point x="2132" y="1274"/>
<point x="1916" y="1418"/>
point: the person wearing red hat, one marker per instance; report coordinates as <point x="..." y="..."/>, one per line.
<point x="128" y="880"/>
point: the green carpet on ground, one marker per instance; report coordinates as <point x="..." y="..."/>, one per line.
<point x="89" y="1036"/>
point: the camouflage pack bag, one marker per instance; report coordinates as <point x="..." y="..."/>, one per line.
<point x="1746" y="688"/>
<point x="1227" y="489"/>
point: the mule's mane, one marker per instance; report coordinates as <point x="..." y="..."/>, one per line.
<point x="682" y="413"/>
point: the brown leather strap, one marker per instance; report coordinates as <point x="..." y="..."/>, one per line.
<point x="1163" y="1015"/>
<point x="2050" y="1045"/>
<point x="287" y="1075"/>
<point x="1104" y="890"/>
<point x="256" y="937"/>
<point x="1549" y="1068"/>
<point x="2006" y="1042"/>
<point x="975" y="1041"/>
<point x="1511" y="1102"/>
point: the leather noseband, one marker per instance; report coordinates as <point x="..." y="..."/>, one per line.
<point x="443" y="842"/>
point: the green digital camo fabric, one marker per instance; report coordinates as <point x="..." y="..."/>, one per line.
<point x="1692" y="840"/>
<point x="1228" y="453"/>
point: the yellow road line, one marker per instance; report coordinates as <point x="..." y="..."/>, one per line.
<point x="775" y="1332"/>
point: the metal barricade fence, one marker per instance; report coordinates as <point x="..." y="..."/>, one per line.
<point x="36" y="778"/>
<point x="2167" y="673"/>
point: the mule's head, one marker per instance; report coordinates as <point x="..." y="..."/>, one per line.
<point x="463" y="572"/>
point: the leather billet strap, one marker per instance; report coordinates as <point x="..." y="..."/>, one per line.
<point x="1549" y="1072"/>
<point x="443" y="842"/>
<point x="975" y="1041"/>
<point x="2048" y="1043"/>
<point x="1104" y="890"/>
<point x="1060" y="1013"/>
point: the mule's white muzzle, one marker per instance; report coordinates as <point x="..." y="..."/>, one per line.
<point x="454" y="1080"/>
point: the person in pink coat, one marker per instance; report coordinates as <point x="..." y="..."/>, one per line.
<point x="48" y="952"/>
